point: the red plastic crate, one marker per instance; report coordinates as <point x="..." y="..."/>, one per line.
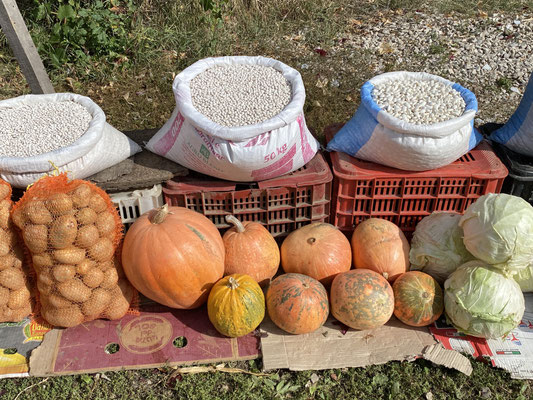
<point x="363" y="189"/>
<point x="282" y="204"/>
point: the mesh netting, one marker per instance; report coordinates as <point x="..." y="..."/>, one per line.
<point x="72" y="232"/>
<point x="15" y="295"/>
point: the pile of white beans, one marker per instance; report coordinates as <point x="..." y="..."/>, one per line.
<point x="239" y="95"/>
<point x="30" y="130"/>
<point x="418" y="101"/>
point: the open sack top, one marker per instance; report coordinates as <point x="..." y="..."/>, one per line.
<point x="436" y="130"/>
<point x="67" y="154"/>
<point x="182" y="92"/>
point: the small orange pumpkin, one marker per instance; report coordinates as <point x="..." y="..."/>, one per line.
<point x="173" y="256"/>
<point x="418" y="299"/>
<point x="361" y="299"/>
<point x="297" y="303"/>
<point x="379" y="245"/>
<point x="236" y="305"/>
<point x="250" y="250"/>
<point x="318" y="250"/>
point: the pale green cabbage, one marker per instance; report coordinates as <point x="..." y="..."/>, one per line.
<point x="437" y="246"/>
<point x="481" y="301"/>
<point x="498" y="229"/>
<point x="525" y="279"/>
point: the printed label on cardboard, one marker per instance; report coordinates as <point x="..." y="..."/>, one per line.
<point x="146" y="334"/>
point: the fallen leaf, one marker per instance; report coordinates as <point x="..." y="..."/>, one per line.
<point x="321" y="52"/>
<point x="334" y="376"/>
<point x="385" y="48"/>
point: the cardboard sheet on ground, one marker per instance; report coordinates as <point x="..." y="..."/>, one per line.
<point x="336" y="346"/>
<point x="155" y="337"/>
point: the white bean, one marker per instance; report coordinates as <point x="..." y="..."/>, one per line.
<point x="238" y="95"/>
<point x="419" y="101"/>
<point x="30" y="130"/>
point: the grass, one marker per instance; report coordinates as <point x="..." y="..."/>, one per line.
<point x="395" y="380"/>
<point x="135" y="92"/>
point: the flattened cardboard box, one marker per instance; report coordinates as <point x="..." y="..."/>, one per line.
<point x="336" y="346"/>
<point x="158" y="336"/>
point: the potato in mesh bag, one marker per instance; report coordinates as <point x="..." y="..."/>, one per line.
<point x="72" y="231"/>
<point x="15" y="295"/>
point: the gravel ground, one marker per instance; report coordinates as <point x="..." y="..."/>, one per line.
<point x="490" y="55"/>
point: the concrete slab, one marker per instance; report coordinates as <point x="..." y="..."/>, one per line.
<point x="143" y="170"/>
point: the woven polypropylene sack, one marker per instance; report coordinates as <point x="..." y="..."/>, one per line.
<point x="15" y="293"/>
<point x="517" y="133"/>
<point x="100" y="147"/>
<point x="256" y="152"/>
<point x="72" y="231"/>
<point x="372" y="134"/>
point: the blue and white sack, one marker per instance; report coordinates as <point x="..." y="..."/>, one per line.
<point x="372" y="134"/>
<point x="517" y="133"/>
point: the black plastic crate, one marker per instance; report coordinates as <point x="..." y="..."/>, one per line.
<point x="519" y="182"/>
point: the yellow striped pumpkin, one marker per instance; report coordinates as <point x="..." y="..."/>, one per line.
<point x="236" y="305"/>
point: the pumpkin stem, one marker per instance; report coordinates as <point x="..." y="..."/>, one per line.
<point x="385" y="275"/>
<point x="305" y="285"/>
<point x="160" y="215"/>
<point x="238" y="224"/>
<point x="311" y="240"/>
<point x="232" y="283"/>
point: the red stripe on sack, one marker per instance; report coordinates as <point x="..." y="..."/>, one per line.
<point x="163" y="146"/>
<point x="278" y="168"/>
<point x="307" y="152"/>
<point x="259" y="140"/>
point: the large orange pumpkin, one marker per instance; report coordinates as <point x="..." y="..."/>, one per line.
<point x="250" y="250"/>
<point x="318" y="250"/>
<point x="381" y="246"/>
<point x="361" y="299"/>
<point x="173" y="256"/>
<point x="236" y="305"/>
<point x="418" y="299"/>
<point x="297" y="303"/>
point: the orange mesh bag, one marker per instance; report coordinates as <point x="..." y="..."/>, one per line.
<point x="73" y="231"/>
<point x="15" y="295"/>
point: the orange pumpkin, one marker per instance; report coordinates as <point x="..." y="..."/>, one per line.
<point x="381" y="246"/>
<point x="236" y="305"/>
<point x="361" y="299"/>
<point x="297" y="303"/>
<point x="250" y="250"/>
<point x="173" y="256"/>
<point x="318" y="250"/>
<point x="418" y="299"/>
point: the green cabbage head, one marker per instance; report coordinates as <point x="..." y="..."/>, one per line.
<point x="481" y="301"/>
<point x="498" y="229"/>
<point x="437" y="246"/>
<point x="525" y="279"/>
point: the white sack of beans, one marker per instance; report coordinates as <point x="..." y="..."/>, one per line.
<point x="237" y="118"/>
<point x="65" y="129"/>
<point x="410" y="120"/>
